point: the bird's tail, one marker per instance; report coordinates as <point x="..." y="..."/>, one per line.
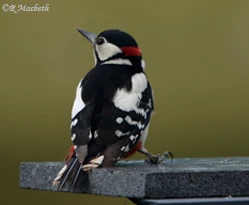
<point x="70" y="171"/>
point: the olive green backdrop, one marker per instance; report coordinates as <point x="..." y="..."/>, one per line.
<point x="197" y="55"/>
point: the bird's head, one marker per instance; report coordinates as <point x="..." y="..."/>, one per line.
<point x="115" y="47"/>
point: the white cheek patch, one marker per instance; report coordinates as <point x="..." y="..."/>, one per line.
<point x="107" y="50"/>
<point x="78" y="102"/>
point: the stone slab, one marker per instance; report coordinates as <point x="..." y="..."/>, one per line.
<point x="182" y="178"/>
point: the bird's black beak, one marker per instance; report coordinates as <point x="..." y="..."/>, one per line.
<point x="88" y="35"/>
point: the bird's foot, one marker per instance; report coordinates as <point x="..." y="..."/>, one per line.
<point x="93" y="163"/>
<point x="157" y="159"/>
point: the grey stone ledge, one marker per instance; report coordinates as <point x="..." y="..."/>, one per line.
<point x="182" y="178"/>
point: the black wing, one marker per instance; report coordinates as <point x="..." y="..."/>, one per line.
<point x="118" y="103"/>
<point x="120" y="130"/>
<point x="103" y="127"/>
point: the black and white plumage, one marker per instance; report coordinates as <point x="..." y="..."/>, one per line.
<point x="112" y="108"/>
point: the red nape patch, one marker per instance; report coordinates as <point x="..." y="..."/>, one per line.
<point x="131" y="51"/>
<point x="70" y="153"/>
<point x="133" y="151"/>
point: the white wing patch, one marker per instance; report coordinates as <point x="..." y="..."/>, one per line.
<point x="78" y="102"/>
<point x="128" y="101"/>
<point x="90" y="135"/>
<point x="96" y="134"/>
<point x="139" y="82"/>
<point x="119" y="120"/>
<point x="73" y="137"/>
<point x="125" y="148"/>
<point x="119" y="133"/>
<point x="73" y="123"/>
<point x="134" y="138"/>
<point x="131" y="122"/>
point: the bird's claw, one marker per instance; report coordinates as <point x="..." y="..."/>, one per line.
<point x="157" y="159"/>
<point x="168" y="154"/>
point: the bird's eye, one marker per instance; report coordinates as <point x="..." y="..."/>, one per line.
<point x="100" y="41"/>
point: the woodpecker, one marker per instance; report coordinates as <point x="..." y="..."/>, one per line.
<point x="112" y="109"/>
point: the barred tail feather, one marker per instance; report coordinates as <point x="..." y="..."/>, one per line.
<point x="59" y="175"/>
<point x="67" y="173"/>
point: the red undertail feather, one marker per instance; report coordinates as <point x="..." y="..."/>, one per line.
<point x="70" y="153"/>
<point x="134" y="150"/>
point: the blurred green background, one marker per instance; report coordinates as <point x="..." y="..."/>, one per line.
<point x="197" y="56"/>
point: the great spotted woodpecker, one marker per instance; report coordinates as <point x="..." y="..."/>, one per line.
<point x="112" y="108"/>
